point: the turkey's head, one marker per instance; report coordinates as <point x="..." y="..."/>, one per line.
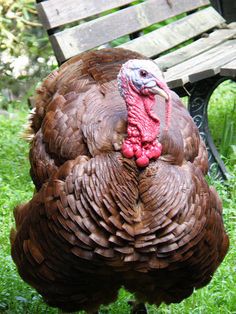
<point x="138" y="82"/>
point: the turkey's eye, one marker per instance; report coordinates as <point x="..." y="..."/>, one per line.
<point x="143" y="73"/>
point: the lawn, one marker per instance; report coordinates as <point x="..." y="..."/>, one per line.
<point x="16" y="187"/>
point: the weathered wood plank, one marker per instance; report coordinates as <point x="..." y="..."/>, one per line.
<point x="55" y="13"/>
<point x="104" y="29"/>
<point x="229" y="69"/>
<point x="201" y="66"/>
<point x="204" y="73"/>
<point x="175" y="33"/>
<point x="212" y="66"/>
<point x="208" y="55"/>
<point x="213" y="69"/>
<point x="199" y="46"/>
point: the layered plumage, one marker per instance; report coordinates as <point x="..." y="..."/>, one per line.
<point x="98" y="221"/>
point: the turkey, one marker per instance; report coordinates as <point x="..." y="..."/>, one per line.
<point x="121" y="199"/>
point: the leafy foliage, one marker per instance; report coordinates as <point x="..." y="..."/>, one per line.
<point x="222" y="120"/>
<point x="22" y="41"/>
<point x="17" y="20"/>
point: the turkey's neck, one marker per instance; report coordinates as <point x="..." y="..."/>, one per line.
<point x="142" y="130"/>
<point x="142" y="118"/>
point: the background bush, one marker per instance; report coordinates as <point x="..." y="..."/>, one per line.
<point x="25" y="52"/>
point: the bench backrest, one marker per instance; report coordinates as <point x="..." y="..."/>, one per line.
<point x="75" y="26"/>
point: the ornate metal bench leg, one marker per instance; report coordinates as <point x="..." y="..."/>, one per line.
<point x="198" y="105"/>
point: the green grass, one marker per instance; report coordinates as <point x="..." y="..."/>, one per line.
<point x="222" y="119"/>
<point x="16" y="187"/>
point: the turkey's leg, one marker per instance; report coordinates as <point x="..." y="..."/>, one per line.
<point x="138" y="307"/>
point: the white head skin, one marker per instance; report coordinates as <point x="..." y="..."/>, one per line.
<point x="144" y="77"/>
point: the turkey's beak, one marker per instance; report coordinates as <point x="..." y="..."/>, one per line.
<point x="153" y="88"/>
<point x="159" y="91"/>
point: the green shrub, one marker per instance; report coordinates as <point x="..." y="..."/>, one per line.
<point x="25" y="52"/>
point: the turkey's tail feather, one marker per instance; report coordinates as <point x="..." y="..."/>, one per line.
<point x="20" y="212"/>
<point x="28" y="132"/>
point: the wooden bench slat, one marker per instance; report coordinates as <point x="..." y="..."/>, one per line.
<point x="204" y="65"/>
<point x="199" y="46"/>
<point x="229" y="69"/>
<point x="56" y="13"/>
<point x="216" y="52"/>
<point x="175" y="33"/>
<point x="213" y="69"/>
<point x="107" y="28"/>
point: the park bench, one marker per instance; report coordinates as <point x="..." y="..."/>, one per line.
<point x="196" y="50"/>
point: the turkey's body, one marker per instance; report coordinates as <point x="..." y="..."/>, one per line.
<point x="97" y="221"/>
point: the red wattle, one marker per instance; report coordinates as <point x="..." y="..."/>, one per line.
<point x="138" y="151"/>
<point x="142" y="161"/>
<point x="127" y="150"/>
<point x="143" y="129"/>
